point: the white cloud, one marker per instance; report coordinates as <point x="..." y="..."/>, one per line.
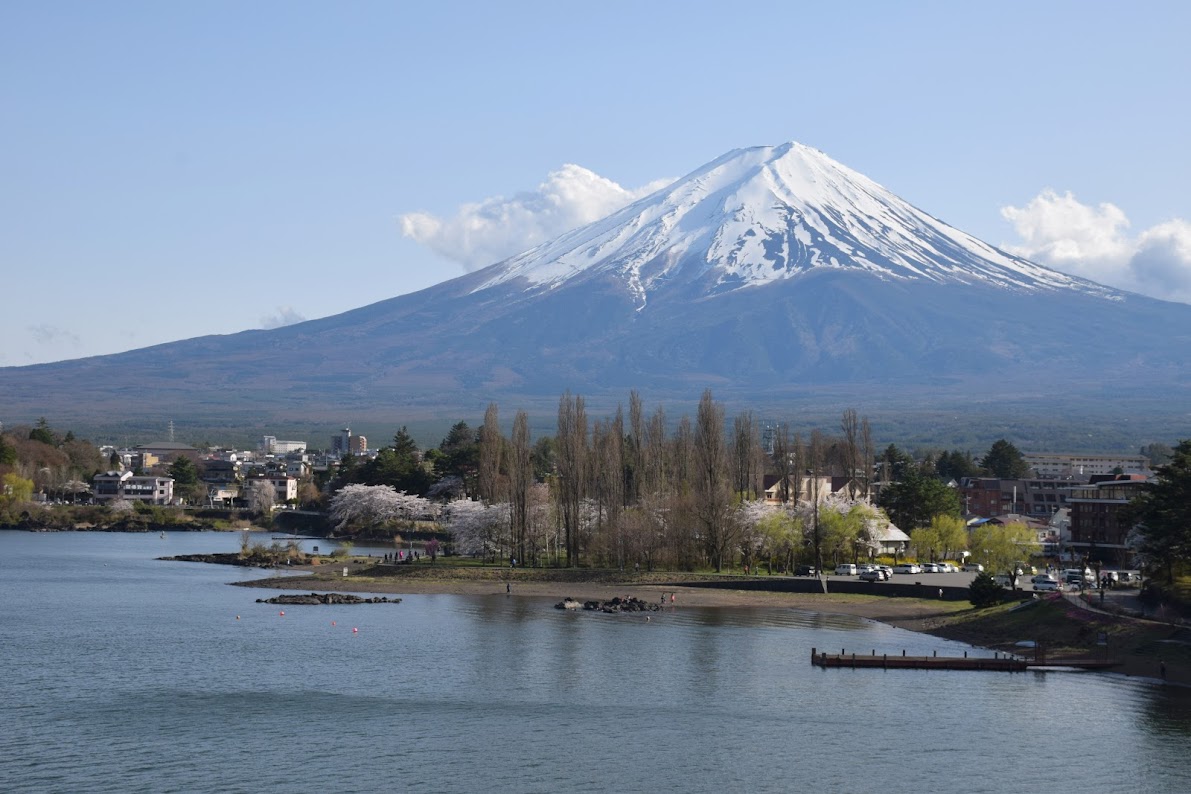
<point x="496" y="228"/>
<point x="285" y="315"/>
<point x="1095" y="243"/>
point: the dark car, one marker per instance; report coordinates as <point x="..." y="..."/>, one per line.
<point x="805" y="570"/>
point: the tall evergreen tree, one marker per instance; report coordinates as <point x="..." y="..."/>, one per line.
<point x="1163" y="513"/>
<point x="1005" y="461"/>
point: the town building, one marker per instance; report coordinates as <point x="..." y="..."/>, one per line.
<point x="992" y="496"/>
<point x="285" y="488"/>
<point x="1099" y="520"/>
<point x="166" y="451"/>
<point x="800" y="489"/>
<point x="1084" y="465"/>
<point x="271" y="445"/>
<point x="114" y="485"/>
<point x="886" y="538"/>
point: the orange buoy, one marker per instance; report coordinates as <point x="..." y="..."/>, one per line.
<point x="332" y="623"/>
<point x="282" y="613"/>
<point x="355" y="631"/>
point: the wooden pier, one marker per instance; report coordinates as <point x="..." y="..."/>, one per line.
<point x="1003" y="662"/>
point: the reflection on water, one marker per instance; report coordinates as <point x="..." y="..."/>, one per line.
<point x="123" y="673"/>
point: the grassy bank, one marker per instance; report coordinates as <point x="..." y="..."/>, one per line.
<point x="1065" y="630"/>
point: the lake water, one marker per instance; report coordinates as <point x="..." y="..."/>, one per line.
<point x="119" y="672"/>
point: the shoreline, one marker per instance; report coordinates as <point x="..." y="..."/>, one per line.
<point x="944" y="619"/>
<point x="908" y="613"/>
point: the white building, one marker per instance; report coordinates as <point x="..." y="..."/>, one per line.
<point x="271" y="445"/>
<point x="1076" y="464"/>
<point x="124" y="485"/>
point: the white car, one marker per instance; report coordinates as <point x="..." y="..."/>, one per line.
<point x="930" y="567"/>
<point x="1044" y="577"/>
<point x="907" y="567"/>
<point x="972" y="567"/>
<point x="1046" y="584"/>
<point x="947" y="567"/>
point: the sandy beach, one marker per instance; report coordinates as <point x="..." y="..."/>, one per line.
<point x="913" y="614"/>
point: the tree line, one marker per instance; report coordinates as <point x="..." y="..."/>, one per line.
<point x="639" y="488"/>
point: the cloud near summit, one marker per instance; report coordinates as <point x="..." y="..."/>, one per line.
<point x="1094" y="242"/>
<point x="482" y="233"/>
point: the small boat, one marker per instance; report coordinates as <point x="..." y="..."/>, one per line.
<point x="163" y="535"/>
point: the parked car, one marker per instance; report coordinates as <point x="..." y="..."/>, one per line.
<point x="888" y="571"/>
<point x="972" y="567"/>
<point x="805" y="570"/>
<point x="907" y="567"/>
<point x="847" y="569"/>
<point x="947" y="567"/>
<point x="930" y="567"/>
<point x="1044" y="577"/>
<point x="1004" y="580"/>
<point x="873" y="575"/>
<point x="1045" y="584"/>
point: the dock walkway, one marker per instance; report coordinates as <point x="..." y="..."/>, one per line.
<point x="1002" y="662"/>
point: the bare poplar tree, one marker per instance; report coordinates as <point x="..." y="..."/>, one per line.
<point x="682" y="455"/>
<point x="491" y="456"/>
<point x="850" y="453"/>
<point x="655" y="465"/>
<point x="782" y="462"/>
<point x="520" y="480"/>
<point x="745" y="445"/>
<point x="608" y="484"/>
<point x="572" y="469"/>
<point x="867" y="456"/>
<point x="797" y="467"/>
<point x="815" y="465"/>
<point x="635" y="451"/>
<point x="712" y="488"/>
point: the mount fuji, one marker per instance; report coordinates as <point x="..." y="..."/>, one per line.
<point x="769" y="273"/>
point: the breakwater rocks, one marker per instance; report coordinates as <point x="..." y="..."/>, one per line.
<point x="218" y="559"/>
<point x="326" y="598"/>
<point x="617" y="604"/>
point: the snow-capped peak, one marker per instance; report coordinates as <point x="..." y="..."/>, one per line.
<point x="769" y="213"/>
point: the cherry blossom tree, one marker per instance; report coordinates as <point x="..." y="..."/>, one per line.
<point x="477" y="528"/>
<point x="357" y="506"/>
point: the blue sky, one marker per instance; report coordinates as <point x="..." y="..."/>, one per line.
<point x="169" y="170"/>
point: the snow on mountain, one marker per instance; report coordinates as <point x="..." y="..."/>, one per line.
<point x="764" y="214"/>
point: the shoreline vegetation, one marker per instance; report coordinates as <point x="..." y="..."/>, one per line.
<point x="1145" y="648"/>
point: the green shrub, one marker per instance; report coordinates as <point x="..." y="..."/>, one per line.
<point x="984" y="591"/>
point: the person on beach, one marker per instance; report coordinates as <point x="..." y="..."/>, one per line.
<point x="508" y="587"/>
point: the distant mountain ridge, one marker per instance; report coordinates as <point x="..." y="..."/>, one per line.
<point x="769" y="274"/>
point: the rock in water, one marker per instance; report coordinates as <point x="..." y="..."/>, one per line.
<point x="326" y="598"/>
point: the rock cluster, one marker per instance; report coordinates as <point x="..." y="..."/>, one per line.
<point x="617" y="604"/>
<point x="326" y="598"/>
